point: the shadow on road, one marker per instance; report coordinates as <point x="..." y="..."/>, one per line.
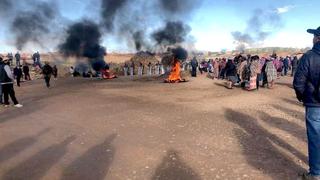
<point x="289" y="85"/>
<point x="14" y="148"/>
<point x="285" y="125"/>
<point x="290" y="112"/>
<point x="93" y="164"/>
<point x="13" y="113"/>
<point x="262" y="149"/>
<point x="36" y="166"/>
<point x="173" y="168"/>
<point x="293" y="102"/>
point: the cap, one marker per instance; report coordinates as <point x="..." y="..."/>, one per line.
<point x="315" y="32"/>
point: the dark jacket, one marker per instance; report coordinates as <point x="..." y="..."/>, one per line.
<point x="194" y="63"/>
<point x="25" y="69"/>
<point x="55" y="70"/>
<point x="231" y="69"/>
<point x="307" y="78"/>
<point x="294" y="63"/>
<point x="47" y="70"/>
<point x="17" y="72"/>
<point x="4" y="77"/>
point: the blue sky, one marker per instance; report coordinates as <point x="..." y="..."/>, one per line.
<point x="213" y="22"/>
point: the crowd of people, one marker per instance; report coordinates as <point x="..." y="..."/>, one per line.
<point x="11" y="72"/>
<point x="129" y="69"/>
<point x="249" y="72"/>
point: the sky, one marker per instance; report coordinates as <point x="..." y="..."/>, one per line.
<point x="214" y="21"/>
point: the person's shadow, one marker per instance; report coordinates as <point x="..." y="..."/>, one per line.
<point x="93" y="164"/>
<point x="263" y="150"/>
<point x="173" y="168"/>
<point x="36" y="166"/>
<point x="14" y="148"/>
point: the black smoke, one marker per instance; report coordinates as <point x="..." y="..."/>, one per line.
<point x="109" y="10"/>
<point x="138" y="39"/>
<point x="136" y="21"/>
<point x="259" y="27"/>
<point x="173" y="33"/>
<point x="83" y="40"/>
<point x="31" y="26"/>
<point x="5" y="5"/>
<point x="180" y="53"/>
<point x="180" y="9"/>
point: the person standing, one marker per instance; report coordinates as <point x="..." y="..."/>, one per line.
<point x="10" y="57"/>
<point x="294" y="65"/>
<point x="306" y="84"/>
<point x="55" y="72"/>
<point x="38" y="60"/>
<point x="286" y="65"/>
<point x="194" y="66"/>
<point x="140" y="69"/>
<point x="125" y="69"/>
<point x="149" y="69"/>
<point x="26" y="72"/>
<point x="47" y="72"/>
<point x="34" y="58"/>
<point x="132" y="68"/>
<point x="7" y="79"/>
<point x="18" y="57"/>
<point x="231" y="73"/>
<point x="17" y="71"/>
<point x="270" y="73"/>
<point x="157" y="69"/>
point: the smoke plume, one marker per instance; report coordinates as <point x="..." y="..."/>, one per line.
<point x="83" y="40"/>
<point x="173" y="33"/>
<point x="259" y="27"/>
<point x="178" y="8"/>
<point x="136" y="21"/>
<point x="33" y="25"/>
<point x="5" y="5"/>
<point x="180" y="53"/>
<point x="109" y="10"/>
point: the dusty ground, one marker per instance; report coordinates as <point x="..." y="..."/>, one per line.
<point x="127" y="129"/>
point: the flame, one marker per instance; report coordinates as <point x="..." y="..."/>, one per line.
<point x="175" y="73"/>
<point x="106" y="74"/>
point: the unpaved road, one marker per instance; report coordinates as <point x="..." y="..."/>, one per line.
<point x="144" y="129"/>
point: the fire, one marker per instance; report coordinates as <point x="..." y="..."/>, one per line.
<point x="174" y="76"/>
<point x="106" y="74"/>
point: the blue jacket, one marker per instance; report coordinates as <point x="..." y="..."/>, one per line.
<point x="307" y="78"/>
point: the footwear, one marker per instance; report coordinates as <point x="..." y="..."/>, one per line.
<point x="6" y="106"/>
<point x="18" y="106"/>
<point x="307" y="176"/>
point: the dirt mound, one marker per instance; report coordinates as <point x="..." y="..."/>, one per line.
<point x="144" y="57"/>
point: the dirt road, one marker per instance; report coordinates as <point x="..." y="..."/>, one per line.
<point x="144" y="129"/>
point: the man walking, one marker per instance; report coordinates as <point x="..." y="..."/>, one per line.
<point x="6" y="79"/>
<point x="307" y="86"/>
<point x="47" y="72"/>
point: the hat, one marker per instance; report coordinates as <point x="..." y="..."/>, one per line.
<point x="315" y="32"/>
